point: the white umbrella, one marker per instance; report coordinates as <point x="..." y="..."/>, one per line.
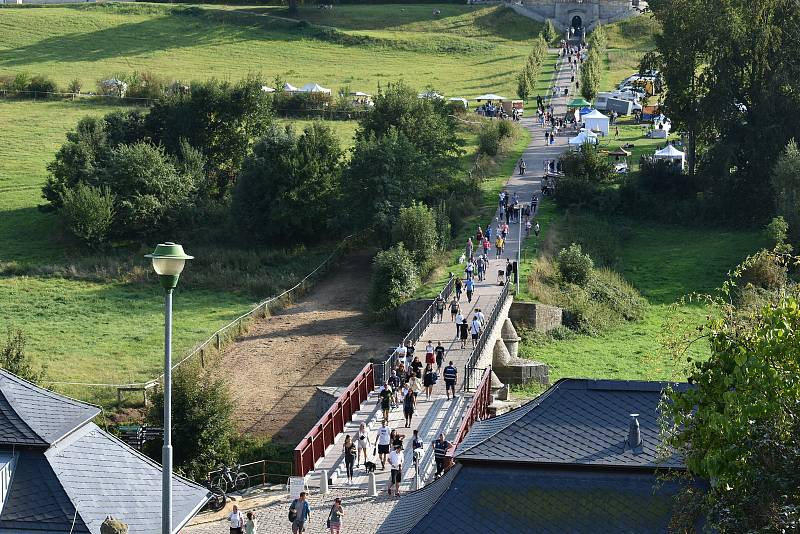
<point x="491" y="96"/>
<point x="314" y="88"/>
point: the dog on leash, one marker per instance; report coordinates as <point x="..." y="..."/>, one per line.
<point x="369" y="466"/>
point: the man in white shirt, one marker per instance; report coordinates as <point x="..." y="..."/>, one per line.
<point x="236" y="520"/>
<point x="481" y="316"/>
<point x="401" y="353"/>
<point x="459" y="320"/>
<point x="383" y="441"/>
<point x="396" y="462"/>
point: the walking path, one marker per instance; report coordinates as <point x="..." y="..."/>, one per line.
<point x="437" y="414"/>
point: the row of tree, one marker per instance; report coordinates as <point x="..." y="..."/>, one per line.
<point x="592" y="66"/>
<point x="526" y="79"/>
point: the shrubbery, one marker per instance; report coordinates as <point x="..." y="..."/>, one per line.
<point x="89" y="213"/>
<point x="489" y="139"/>
<point x="575" y="266"/>
<point x="27" y="86"/>
<point x="416" y="229"/>
<point x="14" y="359"/>
<point x="763" y="270"/>
<point x="394" y="277"/>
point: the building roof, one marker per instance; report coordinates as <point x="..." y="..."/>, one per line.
<point x="500" y="499"/>
<point x="70" y="475"/>
<point x="575" y="422"/>
<point x="32" y="416"/>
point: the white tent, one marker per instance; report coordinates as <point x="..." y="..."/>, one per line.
<point x="289" y="88"/>
<point x="596" y="121"/>
<point x="433" y="95"/>
<point x="491" y="97"/>
<point x="359" y="93"/>
<point x="461" y="101"/>
<point x="267" y="89"/>
<point x="670" y="153"/>
<point x="314" y="88"/>
<point x="586" y="136"/>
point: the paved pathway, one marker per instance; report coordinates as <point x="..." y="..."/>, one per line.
<point x="365" y="514"/>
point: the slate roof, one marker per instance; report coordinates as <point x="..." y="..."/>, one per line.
<point x="575" y="422"/>
<point x="32" y="416"/>
<point x="502" y="499"/>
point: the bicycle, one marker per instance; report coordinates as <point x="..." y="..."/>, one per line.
<point x="218" y="498"/>
<point x="232" y="479"/>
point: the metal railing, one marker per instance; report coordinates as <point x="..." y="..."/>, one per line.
<point x="312" y="447"/>
<point x="382" y="370"/>
<point x="262" y="472"/>
<point x="469" y="368"/>
<point x="478" y="410"/>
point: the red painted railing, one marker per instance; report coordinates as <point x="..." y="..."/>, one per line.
<point x="312" y="447"/>
<point x="478" y="410"/>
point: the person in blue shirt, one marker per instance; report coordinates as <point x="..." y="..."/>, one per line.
<point x="303" y="510"/>
<point x="470" y="287"/>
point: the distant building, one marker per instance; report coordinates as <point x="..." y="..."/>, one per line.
<point x="572" y="460"/>
<point x="577" y="14"/>
<point x="60" y="473"/>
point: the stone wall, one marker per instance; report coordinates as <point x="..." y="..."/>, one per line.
<point x="409" y="312"/>
<point x="540" y="317"/>
<point x="561" y="12"/>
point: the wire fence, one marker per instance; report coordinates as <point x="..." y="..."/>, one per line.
<point x="236" y="327"/>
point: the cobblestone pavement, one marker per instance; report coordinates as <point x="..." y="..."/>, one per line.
<point x="362" y="514"/>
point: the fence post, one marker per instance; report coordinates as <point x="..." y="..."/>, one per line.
<point x="202" y="358"/>
<point x="219" y="343"/>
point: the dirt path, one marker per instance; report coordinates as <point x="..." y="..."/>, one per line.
<point x="324" y="340"/>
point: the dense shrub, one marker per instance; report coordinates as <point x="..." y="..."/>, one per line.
<point x="416" y="229"/>
<point x="287" y="187"/>
<point x="575" y="266"/>
<point x="763" y="270"/>
<point x="609" y="288"/>
<point x="585" y="171"/>
<point x="89" y="213"/>
<point x="42" y="84"/>
<point x="444" y="227"/>
<point x="74" y="86"/>
<point x="489" y="139"/>
<point x="504" y="129"/>
<point x="786" y="183"/>
<point x="394" y="277"/>
<point x="202" y="421"/>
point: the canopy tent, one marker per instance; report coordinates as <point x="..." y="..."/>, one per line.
<point x="586" y="136"/>
<point x="491" y="97"/>
<point x="457" y="100"/>
<point x="430" y="94"/>
<point x="670" y="153"/>
<point x="289" y="88"/>
<point x="596" y="121"/>
<point x="359" y="93"/>
<point x="314" y="88"/>
<point x="267" y="89"/>
<point x="578" y="103"/>
<point x="585" y="111"/>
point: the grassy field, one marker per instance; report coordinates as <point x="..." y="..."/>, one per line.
<point x="465" y="51"/>
<point x="628" y="41"/>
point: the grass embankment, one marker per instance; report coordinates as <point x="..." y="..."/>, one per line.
<point x="465" y="51"/>
<point x="628" y="41"/>
<point x="664" y="263"/>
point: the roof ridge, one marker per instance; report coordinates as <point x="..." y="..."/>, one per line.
<point x="52" y="394"/>
<point x="519" y="413"/>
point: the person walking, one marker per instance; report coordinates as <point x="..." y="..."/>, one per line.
<point x="470" y="286"/>
<point x="440" y="448"/>
<point x="464" y="333"/>
<point x="250" y="526"/>
<point x="349" y="450"/>
<point x="439" y="350"/>
<point x="521" y="166"/>
<point x="475" y="330"/>
<point x="536" y="229"/>
<point x="459" y="285"/>
<point x="498" y="243"/>
<point x="302" y="513"/>
<point x="486" y="245"/>
<point x="363" y="443"/>
<point x="481" y="316"/>
<point x="410" y="349"/>
<point x="469" y="248"/>
<point x="469" y="270"/>
<point x="429" y="353"/>
<point x="428" y="380"/>
<point x="236" y="521"/>
<point x="509" y="268"/>
<point x="396" y="463"/>
<point x="450" y="375"/>
<point x="459" y="320"/>
<point x="382" y="440"/>
<point x="335" y="516"/>
<point x="408" y="407"/>
<point x="440" y="305"/>
<point x="454" y="309"/>
<point x="386" y="394"/>
<point x="415" y="385"/>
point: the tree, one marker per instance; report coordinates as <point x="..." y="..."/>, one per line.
<point x="202" y="422"/>
<point x="150" y="193"/>
<point x="786" y="182"/>
<point x="575" y="266"/>
<point x="416" y="229"/>
<point x="550" y="34"/>
<point x="585" y="171"/>
<point x="738" y="424"/>
<point x="89" y="213"/>
<point x="14" y="360"/>
<point x="289" y="186"/>
<point x="394" y="277"/>
<point x="523" y="89"/>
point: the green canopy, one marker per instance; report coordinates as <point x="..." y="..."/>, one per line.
<point x="578" y="103"/>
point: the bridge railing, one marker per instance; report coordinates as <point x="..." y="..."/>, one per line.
<point x="474" y="357"/>
<point x="478" y="410"/>
<point x="382" y="370"/>
<point x="312" y="447"/>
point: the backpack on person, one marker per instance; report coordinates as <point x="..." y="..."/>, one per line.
<point x="293" y="511"/>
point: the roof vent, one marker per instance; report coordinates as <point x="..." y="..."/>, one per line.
<point x="634" y="434"/>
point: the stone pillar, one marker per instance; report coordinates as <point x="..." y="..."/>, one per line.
<point x="510" y="338"/>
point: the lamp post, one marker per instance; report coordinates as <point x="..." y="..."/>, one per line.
<point x="168" y="262"/>
<point x="519" y="246"/>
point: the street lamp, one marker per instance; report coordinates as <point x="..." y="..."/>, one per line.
<point x="168" y="262"/>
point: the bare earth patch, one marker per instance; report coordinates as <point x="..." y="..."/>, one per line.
<point x="324" y="340"/>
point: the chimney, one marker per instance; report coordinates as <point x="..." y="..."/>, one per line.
<point x="634" y="435"/>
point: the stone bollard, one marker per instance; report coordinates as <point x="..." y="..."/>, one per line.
<point x="511" y="338"/>
<point x="323" y="481"/>
<point x="372" y="490"/>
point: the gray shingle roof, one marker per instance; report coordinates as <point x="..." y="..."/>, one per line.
<point x="498" y="500"/>
<point x="575" y="422"/>
<point x="103" y="476"/>
<point x="30" y="415"/>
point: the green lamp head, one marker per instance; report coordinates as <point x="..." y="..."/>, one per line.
<point x="168" y="262"/>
